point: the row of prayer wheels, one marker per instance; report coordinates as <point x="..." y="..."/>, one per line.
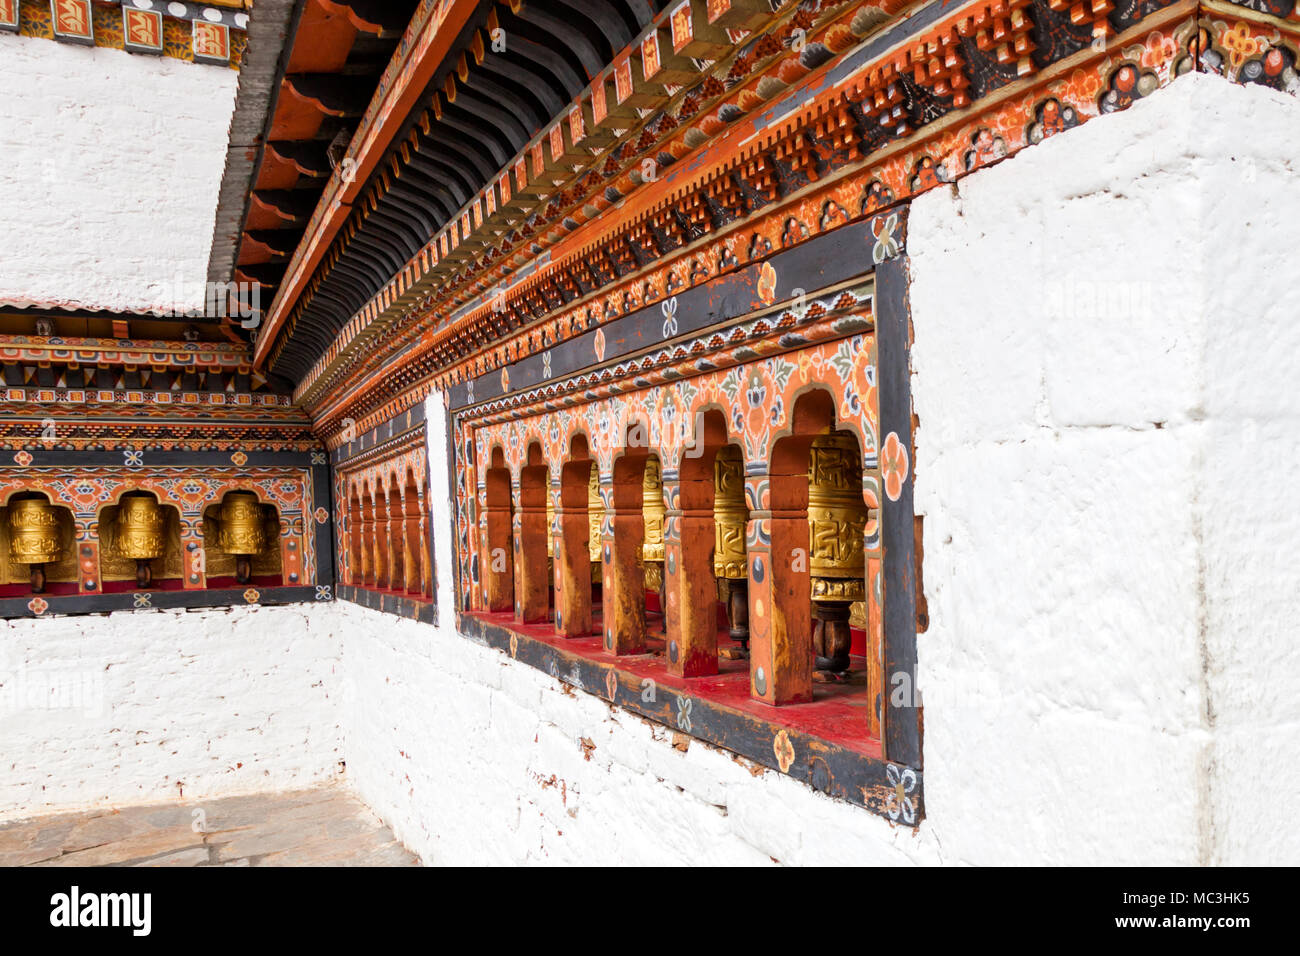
<point x="837" y="517"/>
<point x="141" y="534"/>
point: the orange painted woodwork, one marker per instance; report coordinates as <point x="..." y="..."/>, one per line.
<point x="419" y="57"/>
<point x="573" y="611"/>
<point x="498" y="570"/>
<point x="692" y="587"/>
<point x="276" y="172"/>
<point x="532" y="579"/>
<point x="623" y="600"/>
<point x="331" y="34"/>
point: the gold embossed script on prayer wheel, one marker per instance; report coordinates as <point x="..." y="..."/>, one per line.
<point x="729" y="559"/>
<point x="729" y="514"/>
<point x="595" y="514"/>
<point x="837" y="516"/>
<point x="243" y="531"/>
<point x="141" y="534"/>
<point x="652" y="523"/>
<point x="652" y="511"/>
<point x="34" y="537"/>
<point x="140" y="528"/>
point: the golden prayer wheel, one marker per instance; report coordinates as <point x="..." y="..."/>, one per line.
<point x="34" y="537"/>
<point x="652" y="521"/>
<point x="652" y="511"/>
<point x="730" y="514"/>
<point x="243" y="531"/>
<point x="595" y="513"/>
<point x="140" y="533"/>
<point x="837" y="564"/>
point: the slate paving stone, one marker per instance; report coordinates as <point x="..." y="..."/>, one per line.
<point x="323" y="826"/>
<point x="198" y="856"/>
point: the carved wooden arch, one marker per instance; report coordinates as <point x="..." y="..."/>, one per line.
<point x="497" y="575"/>
<point x="691" y="612"/>
<point x="418" y="578"/>
<point x="573" y="596"/>
<point x="533" y="537"/>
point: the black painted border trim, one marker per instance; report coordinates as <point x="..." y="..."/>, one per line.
<point x="902" y="727"/>
<point x="815" y="264"/>
<point x="72" y="604"/>
<point x="423" y="611"/>
<point x="830" y="768"/>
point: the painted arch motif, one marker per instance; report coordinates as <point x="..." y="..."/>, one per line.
<point x="757" y="400"/>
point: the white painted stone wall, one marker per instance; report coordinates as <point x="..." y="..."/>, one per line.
<point x="1104" y="369"/>
<point x="110" y="164"/>
<point x="144" y="706"/>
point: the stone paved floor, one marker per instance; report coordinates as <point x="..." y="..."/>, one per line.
<point x="326" y="826"/>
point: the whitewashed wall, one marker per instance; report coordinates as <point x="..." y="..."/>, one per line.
<point x="146" y="706"/>
<point x="111" y="166"/>
<point x="1105" y="351"/>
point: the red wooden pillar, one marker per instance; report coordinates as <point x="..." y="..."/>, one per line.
<point x="532" y="584"/>
<point x="426" y="557"/>
<point x="623" y="599"/>
<point x="383" y="566"/>
<point x="414" y="558"/>
<point x="498" y="563"/>
<point x="692" y="590"/>
<point x="572" y="561"/>
<point x="693" y="636"/>
<point x="367" y="537"/>
<point x="780" y="597"/>
<point x="355" y="572"/>
<point x="396" y="540"/>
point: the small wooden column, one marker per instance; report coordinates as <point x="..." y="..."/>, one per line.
<point x="367" y="537"/>
<point x="356" y="563"/>
<point x="498" y="559"/>
<point x="426" y="545"/>
<point x="572" y="561"/>
<point x="623" y="601"/>
<point x="532" y="584"/>
<point x="692" y="621"/>
<point x="780" y="598"/>
<point x="413" y="538"/>
<point x="396" y="540"/>
<point x="381" y="537"/>
<point x="693" y="637"/>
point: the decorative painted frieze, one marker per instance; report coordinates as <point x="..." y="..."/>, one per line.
<point x="213" y="33"/>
